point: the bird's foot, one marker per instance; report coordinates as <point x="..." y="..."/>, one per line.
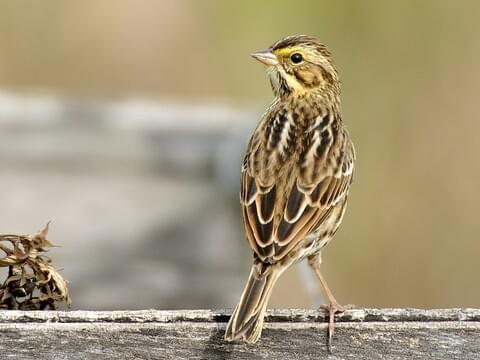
<point x="333" y="308"/>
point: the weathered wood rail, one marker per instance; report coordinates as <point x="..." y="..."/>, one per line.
<point x="198" y="334"/>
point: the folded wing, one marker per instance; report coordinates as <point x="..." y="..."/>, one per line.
<point x="280" y="212"/>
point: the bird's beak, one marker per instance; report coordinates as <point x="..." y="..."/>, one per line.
<point x="266" y="57"/>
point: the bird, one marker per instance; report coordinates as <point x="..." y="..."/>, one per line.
<point x="295" y="177"/>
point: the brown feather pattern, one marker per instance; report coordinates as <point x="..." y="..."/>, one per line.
<point x="295" y="175"/>
<point x="304" y="173"/>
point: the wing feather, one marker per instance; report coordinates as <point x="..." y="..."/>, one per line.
<point x="278" y="216"/>
<point x="296" y="205"/>
<point x="265" y="203"/>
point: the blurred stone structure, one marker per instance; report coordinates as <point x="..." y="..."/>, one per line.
<point x="142" y="196"/>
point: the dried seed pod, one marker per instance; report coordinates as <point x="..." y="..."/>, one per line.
<point x="33" y="283"/>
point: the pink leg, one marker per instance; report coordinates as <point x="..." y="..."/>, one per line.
<point x="333" y="306"/>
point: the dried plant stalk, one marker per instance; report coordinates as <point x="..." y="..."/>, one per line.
<point x="32" y="283"/>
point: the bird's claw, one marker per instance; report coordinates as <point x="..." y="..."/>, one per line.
<point x="333" y="308"/>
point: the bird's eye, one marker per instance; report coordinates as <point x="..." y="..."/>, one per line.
<point x="296" y="58"/>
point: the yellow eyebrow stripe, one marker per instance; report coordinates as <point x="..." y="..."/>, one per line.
<point x="285" y="52"/>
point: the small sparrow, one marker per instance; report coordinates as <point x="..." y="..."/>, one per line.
<point x="295" y="176"/>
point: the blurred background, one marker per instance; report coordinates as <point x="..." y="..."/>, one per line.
<point x="125" y="123"/>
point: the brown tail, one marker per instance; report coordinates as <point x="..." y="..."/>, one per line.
<point x="247" y="319"/>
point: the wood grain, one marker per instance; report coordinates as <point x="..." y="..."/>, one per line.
<point x="198" y="334"/>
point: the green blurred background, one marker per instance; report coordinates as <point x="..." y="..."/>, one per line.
<point x="411" y="83"/>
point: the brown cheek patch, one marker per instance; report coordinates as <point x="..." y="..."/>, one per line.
<point x="308" y="77"/>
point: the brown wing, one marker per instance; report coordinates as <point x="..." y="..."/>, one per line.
<point x="258" y="201"/>
<point x="314" y="184"/>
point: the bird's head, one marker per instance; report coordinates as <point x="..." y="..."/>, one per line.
<point x="299" y="65"/>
